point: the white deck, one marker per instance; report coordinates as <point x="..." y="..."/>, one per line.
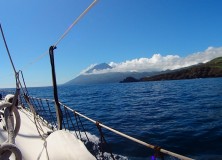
<point x="58" y="145"/>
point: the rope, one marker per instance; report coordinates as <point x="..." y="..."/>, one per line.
<point x="75" y="22"/>
<point x="82" y="127"/>
<point x="78" y="125"/>
<point x="8" y="147"/>
<point x="132" y="138"/>
<point x="100" y="126"/>
<point x="37" y="124"/>
<point x="50" y="112"/>
<point x="26" y="90"/>
<point x="73" y="126"/>
<point x="84" y="130"/>
<point x="38" y="127"/>
<point x="103" y="141"/>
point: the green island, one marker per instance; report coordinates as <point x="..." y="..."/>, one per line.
<point x="211" y="69"/>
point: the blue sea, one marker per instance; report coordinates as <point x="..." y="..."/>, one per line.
<point x="183" y="116"/>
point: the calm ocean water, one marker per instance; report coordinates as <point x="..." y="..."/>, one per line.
<point x="182" y="116"/>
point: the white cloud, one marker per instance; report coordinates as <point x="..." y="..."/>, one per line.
<point x="159" y="63"/>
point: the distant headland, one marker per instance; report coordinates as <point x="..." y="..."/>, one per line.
<point x="210" y="69"/>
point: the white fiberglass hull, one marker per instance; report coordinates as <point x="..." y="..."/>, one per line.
<point x="58" y="145"/>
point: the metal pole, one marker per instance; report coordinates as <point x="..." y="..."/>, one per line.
<point x="57" y="105"/>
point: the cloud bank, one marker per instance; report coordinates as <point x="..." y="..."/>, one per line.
<point x="160" y="63"/>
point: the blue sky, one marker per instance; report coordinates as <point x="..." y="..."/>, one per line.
<point x="121" y="33"/>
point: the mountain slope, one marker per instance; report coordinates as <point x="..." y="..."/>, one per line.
<point x="90" y="77"/>
<point x="212" y="68"/>
<point x="112" y="77"/>
<point x="99" y="67"/>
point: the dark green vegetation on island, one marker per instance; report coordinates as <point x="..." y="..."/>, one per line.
<point x="210" y="69"/>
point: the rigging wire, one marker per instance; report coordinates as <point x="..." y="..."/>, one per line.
<point x="57" y="42"/>
<point x="10" y="58"/>
<point x="63" y="35"/>
<point x="18" y="82"/>
<point x="6" y="46"/>
<point x="35" y="60"/>
<point x="75" y="22"/>
<point x="8" y="52"/>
